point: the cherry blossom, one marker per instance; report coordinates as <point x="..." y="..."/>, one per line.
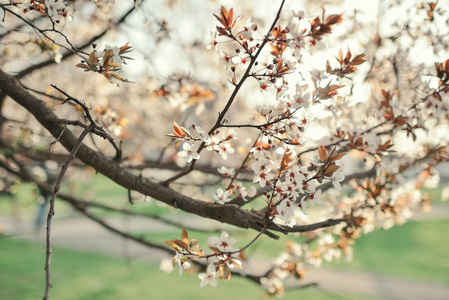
<point x="28" y="5"/>
<point x="263" y="172"/>
<point x="265" y="87"/>
<point x="189" y="152"/>
<point x="213" y="43"/>
<point x="286" y="149"/>
<point x="315" y="198"/>
<point x="208" y="278"/>
<point x="298" y="14"/>
<point x="53" y="6"/>
<point x="399" y="101"/>
<point x="116" y="58"/>
<point x="224" y="59"/>
<point x="222" y="196"/>
<point x="224" y="149"/>
<point x="258" y="152"/>
<point x="315" y="162"/>
<point x="248" y="31"/>
<point x="202" y="134"/>
<point x="337" y="177"/>
<point x="316" y="45"/>
<point x="223" y="243"/>
<point x="286" y="212"/>
<point x="66" y="14"/>
<point x="252" y="192"/>
<point x="226" y="172"/>
<point x="182" y="264"/>
<point x="281" y="92"/>
<point x="241" y="60"/>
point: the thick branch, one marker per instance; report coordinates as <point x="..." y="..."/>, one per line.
<point x="81" y="206"/>
<point x="231" y="214"/>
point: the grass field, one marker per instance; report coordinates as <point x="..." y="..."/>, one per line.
<point x="418" y="250"/>
<point x="88" y="276"/>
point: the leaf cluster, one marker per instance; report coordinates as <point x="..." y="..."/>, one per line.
<point x="329" y="167"/>
<point x="320" y="27"/>
<point x="347" y="65"/>
<point x="186" y="246"/>
<point x="105" y="64"/>
<point x="227" y="19"/>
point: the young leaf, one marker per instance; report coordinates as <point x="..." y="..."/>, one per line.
<point x="331" y="169"/>
<point x="185" y="236"/>
<point x="177" y="129"/>
<point x="322" y="152"/>
<point x="286" y="159"/>
<point x="328" y="91"/>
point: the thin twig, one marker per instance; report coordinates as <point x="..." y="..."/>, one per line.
<point x="231" y="99"/>
<point x="43" y="32"/>
<point x="51" y="211"/>
<point x="97" y="129"/>
<point x="68" y="54"/>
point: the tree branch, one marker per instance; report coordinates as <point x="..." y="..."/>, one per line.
<point x="68" y="54"/>
<point x="231" y="214"/>
<point x="231" y="99"/>
<point x="51" y="211"/>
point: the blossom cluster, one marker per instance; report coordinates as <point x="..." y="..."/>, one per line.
<point x="287" y="168"/>
<point x="56" y="10"/>
<point x="290" y="181"/>
<point x="219" y="142"/>
<point x="111" y="119"/>
<point x="107" y="61"/>
<point x="219" y="264"/>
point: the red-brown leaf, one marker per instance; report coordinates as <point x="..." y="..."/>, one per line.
<point x="331" y="169"/>
<point x="185" y="236"/>
<point x="334" y="19"/>
<point x="177" y="129"/>
<point x="286" y="159"/>
<point x="322" y="152"/>
<point x="359" y="59"/>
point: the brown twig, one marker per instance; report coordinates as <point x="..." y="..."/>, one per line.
<point x="237" y="88"/>
<point x="51" y="211"/>
<point x="68" y="54"/>
<point x="97" y="129"/>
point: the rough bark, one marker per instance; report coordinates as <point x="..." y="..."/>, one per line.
<point x="230" y="213"/>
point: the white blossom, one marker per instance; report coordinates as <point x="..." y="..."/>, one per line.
<point x="183" y="265"/>
<point x="226" y="172"/>
<point x="337" y="177"/>
<point x="190" y="152"/>
<point x="208" y="278"/>
<point x="223" y="243"/>
<point x="222" y="196"/>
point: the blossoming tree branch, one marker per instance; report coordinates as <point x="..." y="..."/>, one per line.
<point x="306" y="121"/>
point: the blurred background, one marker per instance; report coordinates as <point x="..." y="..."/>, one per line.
<point x="90" y="262"/>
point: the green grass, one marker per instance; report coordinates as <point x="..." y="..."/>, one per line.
<point x="77" y="275"/>
<point x="416" y="250"/>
